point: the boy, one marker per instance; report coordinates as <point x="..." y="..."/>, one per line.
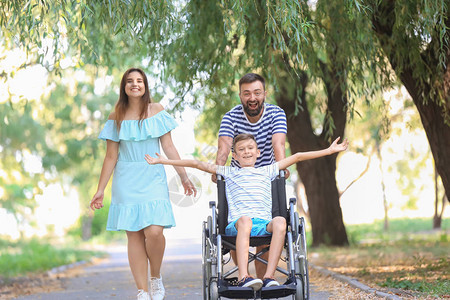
<point x="248" y="191"/>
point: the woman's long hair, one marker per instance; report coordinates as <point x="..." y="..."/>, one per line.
<point x="123" y="104"/>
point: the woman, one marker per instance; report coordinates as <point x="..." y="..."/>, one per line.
<point x="140" y="199"/>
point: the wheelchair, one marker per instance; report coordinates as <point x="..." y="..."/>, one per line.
<point x="218" y="284"/>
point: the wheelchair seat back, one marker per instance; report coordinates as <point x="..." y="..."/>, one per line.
<point x="279" y="206"/>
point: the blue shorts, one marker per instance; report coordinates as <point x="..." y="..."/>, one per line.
<point x="258" y="228"/>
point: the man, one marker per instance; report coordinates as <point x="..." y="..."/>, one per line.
<point x="267" y="122"/>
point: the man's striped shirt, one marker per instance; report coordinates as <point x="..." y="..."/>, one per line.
<point x="273" y="120"/>
<point x="249" y="191"/>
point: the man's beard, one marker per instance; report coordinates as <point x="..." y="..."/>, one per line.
<point x="253" y="112"/>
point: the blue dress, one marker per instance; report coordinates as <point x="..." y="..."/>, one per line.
<point x="140" y="196"/>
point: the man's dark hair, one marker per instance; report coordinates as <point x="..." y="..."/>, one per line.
<point x="251" y="77"/>
<point x="243" y="137"/>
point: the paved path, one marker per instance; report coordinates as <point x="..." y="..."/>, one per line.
<point x="112" y="278"/>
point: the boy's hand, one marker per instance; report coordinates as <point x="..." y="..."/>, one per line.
<point x="154" y="160"/>
<point x="335" y="147"/>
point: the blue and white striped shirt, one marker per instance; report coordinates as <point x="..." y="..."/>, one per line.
<point x="249" y="191"/>
<point x="273" y="120"/>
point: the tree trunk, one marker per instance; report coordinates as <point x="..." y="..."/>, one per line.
<point x="420" y="83"/>
<point x="437" y="220"/>
<point x="318" y="175"/>
<point x="300" y="194"/>
<point x="323" y="200"/>
<point x="438" y="133"/>
<point x="383" y="188"/>
<point x="86" y="226"/>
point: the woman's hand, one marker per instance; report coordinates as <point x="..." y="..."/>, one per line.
<point x="97" y="200"/>
<point x="189" y="188"/>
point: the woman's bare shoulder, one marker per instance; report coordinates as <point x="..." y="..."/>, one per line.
<point x="112" y="116"/>
<point x="156" y="108"/>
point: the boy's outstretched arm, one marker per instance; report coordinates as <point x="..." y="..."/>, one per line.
<point x="191" y="163"/>
<point x="300" y="156"/>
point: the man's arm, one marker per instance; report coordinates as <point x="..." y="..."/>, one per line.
<point x="279" y="127"/>
<point x="279" y="149"/>
<point x="191" y="163"/>
<point x="301" y="156"/>
<point x="224" y="148"/>
<point x="278" y="144"/>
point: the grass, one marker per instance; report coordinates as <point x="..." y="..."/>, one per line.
<point x="437" y="288"/>
<point x="397" y="229"/>
<point x="31" y="256"/>
<point x="408" y="257"/>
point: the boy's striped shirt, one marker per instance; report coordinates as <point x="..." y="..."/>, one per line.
<point x="249" y="191"/>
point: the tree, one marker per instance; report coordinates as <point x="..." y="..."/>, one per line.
<point x="22" y="137"/>
<point x="438" y="213"/>
<point x="22" y="141"/>
<point x="373" y="128"/>
<point x="75" y="114"/>
<point x="314" y="55"/>
<point x="58" y="134"/>
<point x="222" y="41"/>
<point x="415" y="38"/>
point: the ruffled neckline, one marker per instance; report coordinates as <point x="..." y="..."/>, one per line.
<point x="155" y="115"/>
<point x="135" y="130"/>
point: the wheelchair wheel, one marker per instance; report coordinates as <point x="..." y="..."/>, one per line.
<point x="208" y="288"/>
<point x="301" y="263"/>
<point x="206" y="267"/>
<point x="305" y="277"/>
<point x="213" y="291"/>
<point x="299" y="294"/>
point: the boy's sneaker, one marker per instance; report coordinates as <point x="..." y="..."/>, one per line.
<point x="157" y="290"/>
<point x="143" y="295"/>
<point x="268" y="282"/>
<point x="249" y="281"/>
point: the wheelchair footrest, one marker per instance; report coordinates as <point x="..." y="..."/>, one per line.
<point x="278" y="291"/>
<point x="228" y="290"/>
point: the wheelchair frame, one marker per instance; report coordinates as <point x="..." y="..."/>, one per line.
<point x="217" y="284"/>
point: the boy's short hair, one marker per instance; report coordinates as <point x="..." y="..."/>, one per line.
<point x="250" y="78"/>
<point x="243" y="137"/>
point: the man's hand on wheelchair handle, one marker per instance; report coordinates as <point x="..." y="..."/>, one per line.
<point x="214" y="178"/>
